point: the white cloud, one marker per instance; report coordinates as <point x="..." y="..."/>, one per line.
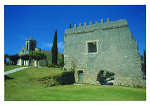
<point x="46" y="45"/>
<point x="60" y="45"/>
<point x="50" y="45"/>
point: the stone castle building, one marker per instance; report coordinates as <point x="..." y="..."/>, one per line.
<point x="30" y="46"/>
<point x="106" y="46"/>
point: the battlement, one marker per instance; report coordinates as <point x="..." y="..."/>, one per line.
<point x="96" y="26"/>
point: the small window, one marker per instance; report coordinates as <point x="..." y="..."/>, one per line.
<point x="92" y="47"/>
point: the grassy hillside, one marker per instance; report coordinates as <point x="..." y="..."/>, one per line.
<point x="25" y="86"/>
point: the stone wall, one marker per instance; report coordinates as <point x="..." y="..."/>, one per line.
<point x="116" y="52"/>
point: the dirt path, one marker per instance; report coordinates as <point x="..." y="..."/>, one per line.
<point x="14" y="70"/>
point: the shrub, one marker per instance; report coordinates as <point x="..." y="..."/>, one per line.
<point x="7" y="77"/>
<point x="101" y="78"/>
<point x="104" y="76"/>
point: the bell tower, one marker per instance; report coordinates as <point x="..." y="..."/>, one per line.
<point x="30" y="44"/>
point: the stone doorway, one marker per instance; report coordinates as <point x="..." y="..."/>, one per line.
<point x="80" y="76"/>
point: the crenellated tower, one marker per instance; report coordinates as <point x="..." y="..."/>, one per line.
<point x="105" y="45"/>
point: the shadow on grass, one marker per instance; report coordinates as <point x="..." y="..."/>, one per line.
<point x="7" y="77"/>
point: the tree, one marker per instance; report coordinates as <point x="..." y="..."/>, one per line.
<point x="144" y="65"/>
<point x="37" y="55"/>
<point x="13" y="59"/>
<point x="5" y="58"/>
<point x="61" y="60"/>
<point x="54" y="49"/>
<point x="25" y="57"/>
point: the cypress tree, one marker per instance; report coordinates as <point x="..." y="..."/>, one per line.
<point x="54" y="49"/>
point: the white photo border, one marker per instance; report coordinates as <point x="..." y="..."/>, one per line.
<point x="74" y="2"/>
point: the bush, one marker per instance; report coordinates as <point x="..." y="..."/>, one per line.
<point x="101" y="78"/>
<point x="104" y="76"/>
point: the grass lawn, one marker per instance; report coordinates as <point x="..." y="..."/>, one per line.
<point x="25" y="86"/>
<point x="10" y="67"/>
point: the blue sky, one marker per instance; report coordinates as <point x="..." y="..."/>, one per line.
<point x="40" y="22"/>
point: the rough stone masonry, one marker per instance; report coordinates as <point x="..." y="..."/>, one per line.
<point x="106" y="46"/>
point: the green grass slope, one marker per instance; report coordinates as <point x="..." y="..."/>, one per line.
<point x="25" y="86"/>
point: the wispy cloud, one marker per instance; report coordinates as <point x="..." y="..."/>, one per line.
<point x="50" y="45"/>
<point x="60" y="45"/>
<point x="47" y="45"/>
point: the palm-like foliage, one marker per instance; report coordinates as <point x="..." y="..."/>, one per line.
<point x="13" y="59"/>
<point x="37" y="55"/>
<point x="25" y="57"/>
